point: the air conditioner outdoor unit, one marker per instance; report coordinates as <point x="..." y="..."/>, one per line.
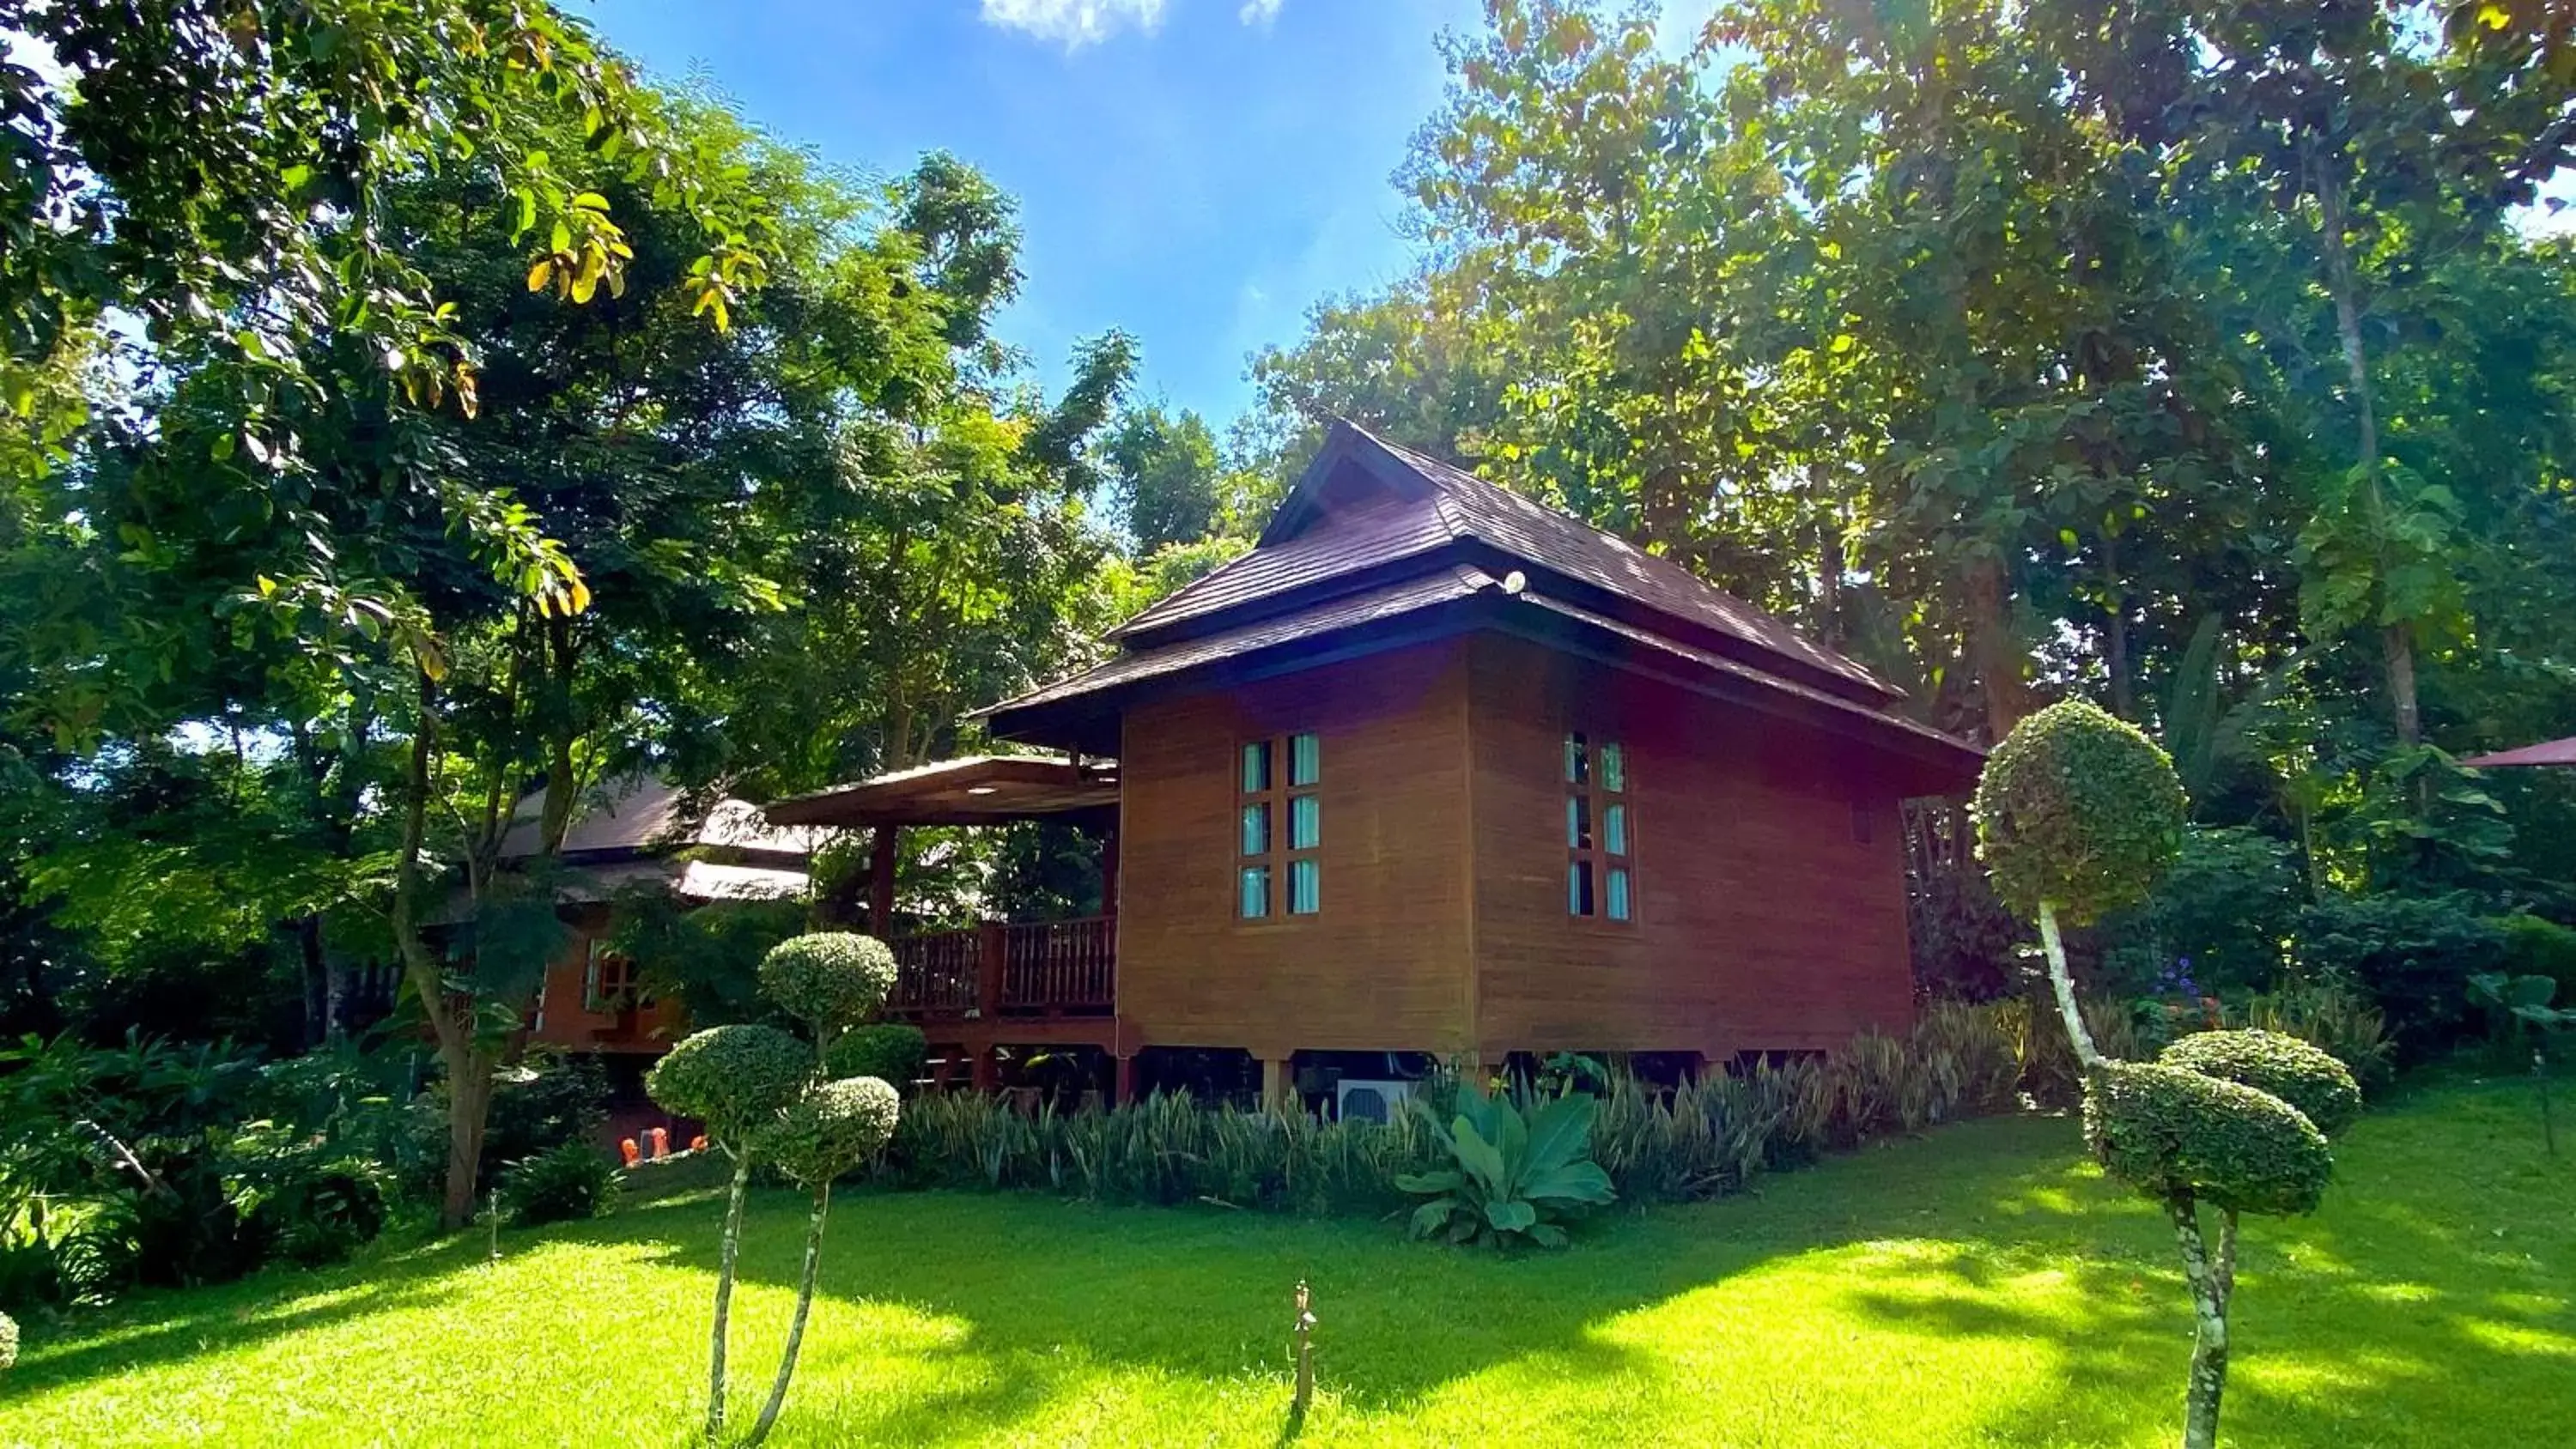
<point x="1359" y="1101"/>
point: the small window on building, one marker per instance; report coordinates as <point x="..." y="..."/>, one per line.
<point x="1282" y="828"/>
<point x="607" y="978"/>
<point x="1599" y="880"/>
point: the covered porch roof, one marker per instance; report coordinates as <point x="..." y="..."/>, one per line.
<point x="976" y="790"/>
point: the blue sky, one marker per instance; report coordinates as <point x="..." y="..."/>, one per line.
<point x="1196" y="171"/>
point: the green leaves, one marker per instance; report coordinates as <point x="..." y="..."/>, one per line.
<point x="2079" y="810"/>
<point x="1515" y="1177"/>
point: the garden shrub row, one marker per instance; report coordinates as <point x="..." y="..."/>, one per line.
<point x="1700" y="1139"/>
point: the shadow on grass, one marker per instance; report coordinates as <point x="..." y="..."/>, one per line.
<point x="1034" y="1296"/>
<point x="270" y="1305"/>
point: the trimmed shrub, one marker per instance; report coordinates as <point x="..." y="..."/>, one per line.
<point x="2319" y="1086"/>
<point x="830" y="1130"/>
<point x="733" y="1078"/>
<point x="2178" y="1135"/>
<point x="830" y="980"/>
<point x="8" y="1342"/>
<point x="570" y="1182"/>
<point x="2079" y="810"/>
<point x="888" y="1051"/>
<point x="2413" y="956"/>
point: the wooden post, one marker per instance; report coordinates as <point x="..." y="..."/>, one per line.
<point x="990" y="943"/>
<point x="987" y="1070"/>
<point x="883" y="848"/>
<point x="1305" y="1339"/>
<point x="1109" y="871"/>
<point x="1125" y="1090"/>
<point x="1274" y="1083"/>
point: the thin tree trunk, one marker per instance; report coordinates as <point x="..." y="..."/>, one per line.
<point x="724" y="1297"/>
<point x="2115" y="632"/>
<point x="319" y="1022"/>
<point x="2062" y="981"/>
<point x="467" y="1097"/>
<point x="2397" y="640"/>
<point x="796" y="1328"/>
<point x="469" y="1107"/>
<point x="2209" y="1288"/>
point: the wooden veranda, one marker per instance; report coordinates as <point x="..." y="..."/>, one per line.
<point x="997" y="983"/>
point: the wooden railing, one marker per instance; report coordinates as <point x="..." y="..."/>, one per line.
<point x="1060" y="965"/>
<point x="1036" y="969"/>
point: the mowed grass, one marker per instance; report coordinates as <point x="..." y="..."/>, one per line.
<point x="1977" y="1285"/>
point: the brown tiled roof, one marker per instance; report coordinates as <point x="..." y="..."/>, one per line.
<point x="1956" y="751"/>
<point x="1347" y="611"/>
<point x="1362" y="539"/>
<point x="1564" y="544"/>
<point x="1375" y="532"/>
<point x="1431" y="505"/>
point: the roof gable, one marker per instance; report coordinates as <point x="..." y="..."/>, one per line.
<point x="1366" y="509"/>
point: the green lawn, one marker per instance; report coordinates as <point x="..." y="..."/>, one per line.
<point x="1974" y="1286"/>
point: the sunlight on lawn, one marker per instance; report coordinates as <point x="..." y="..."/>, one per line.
<point x="1977" y="1286"/>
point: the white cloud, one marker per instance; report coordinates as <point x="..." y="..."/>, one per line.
<point x="1259" y="12"/>
<point x="1075" y="22"/>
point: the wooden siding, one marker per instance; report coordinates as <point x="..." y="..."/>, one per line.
<point x="564" y="1019"/>
<point x="1761" y="921"/>
<point x="1383" y="965"/>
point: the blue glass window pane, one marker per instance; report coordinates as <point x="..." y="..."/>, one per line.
<point x="1305" y="887"/>
<point x="1305" y="759"/>
<point x="1305" y="822"/>
<point x="1614" y="768"/>
<point x="1256" y="768"/>
<point x="1578" y="889"/>
<point x="1577" y="765"/>
<point x="1256" y="891"/>
<point x="1614" y="829"/>
<point x="1574" y="822"/>
<point x="1618" y="895"/>
<point x="1256" y="829"/>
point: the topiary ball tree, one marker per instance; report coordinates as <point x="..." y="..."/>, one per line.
<point x="2322" y="1088"/>
<point x="2078" y="814"/>
<point x="8" y="1342"/>
<point x="2179" y="1136"/>
<point x="733" y="1078"/>
<point x="830" y="980"/>
<point x="889" y="1050"/>
<point x="737" y="1080"/>
<point x="2218" y="1121"/>
<point x="830" y="1130"/>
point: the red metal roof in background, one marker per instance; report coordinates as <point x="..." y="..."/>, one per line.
<point x="2554" y="752"/>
